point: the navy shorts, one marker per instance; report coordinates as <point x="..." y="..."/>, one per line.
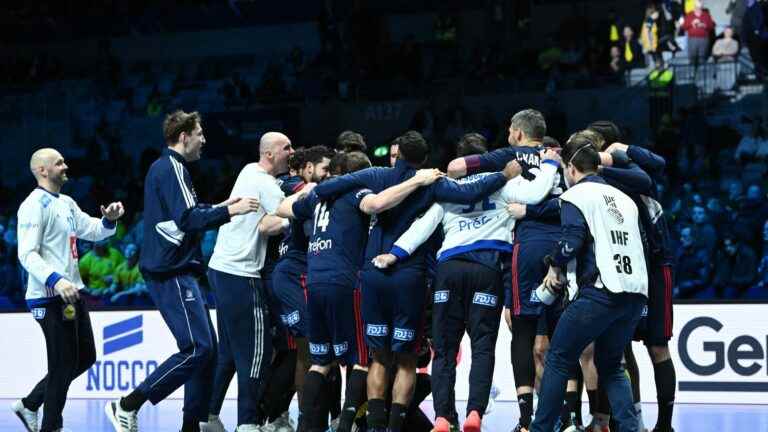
<point x="335" y="325"/>
<point x="523" y="273"/>
<point x="393" y="308"/>
<point x="289" y="285"/>
<point x="655" y="327"/>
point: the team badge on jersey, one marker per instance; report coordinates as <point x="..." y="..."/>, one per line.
<point x="441" y="296"/>
<point x="377" y="330"/>
<point x="403" y="334"/>
<point x="189" y="296"/>
<point x="319" y="349"/>
<point x="484" y="299"/>
<point x="38" y="313"/>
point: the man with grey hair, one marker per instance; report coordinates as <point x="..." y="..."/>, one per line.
<point x="234" y="273"/>
<point x="49" y="225"/>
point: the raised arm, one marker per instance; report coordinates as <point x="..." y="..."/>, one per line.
<point x="376" y="203"/>
<point x="368" y="178"/>
<point x="473" y="190"/>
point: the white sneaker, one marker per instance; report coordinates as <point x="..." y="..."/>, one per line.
<point x="248" y="428"/>
<point x="123" y="421"/>
<point x="284" y="423"/>
<point x="27" y="417"/>
<point x="213" y="424"/>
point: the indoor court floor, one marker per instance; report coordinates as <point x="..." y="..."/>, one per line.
<point x="81" y="415"/>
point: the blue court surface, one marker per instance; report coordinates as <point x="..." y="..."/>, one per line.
<point x="88" y="415"/>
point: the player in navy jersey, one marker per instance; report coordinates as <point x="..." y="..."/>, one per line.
<point x="393" y="299"/>
<point x="534" y="239"/>
<point x="334" y="257"/>
<point x="289" y="283"/>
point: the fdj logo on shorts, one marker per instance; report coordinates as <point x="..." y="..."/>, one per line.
<point x="377" y="330"/>
<point x="120" y="373"/>
<point x="484" y="299"/>
<point x="402" y="334"/>
<point x="319" y="349"/>
<point x="441" y="296"/>
<point x="291" y="319"/>
<point x="340" y="349"/>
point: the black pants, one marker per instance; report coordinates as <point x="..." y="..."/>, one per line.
<point x="466" y="298"/>
<point x="71" y="351"/>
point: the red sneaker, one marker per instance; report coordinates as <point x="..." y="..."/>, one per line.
<point x="442" y="425"/>
<point x="472" y="423"/>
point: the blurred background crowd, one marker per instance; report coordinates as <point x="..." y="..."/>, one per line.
<point x="313" y="69"/>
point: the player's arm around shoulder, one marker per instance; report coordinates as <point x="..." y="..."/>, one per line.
<point x="377" y="203"/>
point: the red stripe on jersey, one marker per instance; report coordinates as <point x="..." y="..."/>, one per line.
<point x="667" y="271"/>
<point x="303" y="282"/>
<point x="362" y="348"/>
<point x="291" y="341"/>
<point x="515" y="281"/>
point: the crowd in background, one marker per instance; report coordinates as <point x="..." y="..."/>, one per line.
<point x="715" y="195"/>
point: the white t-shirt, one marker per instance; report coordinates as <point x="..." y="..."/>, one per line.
<point x="240" y="249"/>
<point x="48" y="228"/>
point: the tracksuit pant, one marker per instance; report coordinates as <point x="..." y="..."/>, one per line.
<point x="183" y="309"/>
<point x="244" y="323"/>
<point x="609" y="320"/>
<point x="70" y="349"/>
<point x="466" y="298"/>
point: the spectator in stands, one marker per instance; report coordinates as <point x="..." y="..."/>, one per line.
<point x="633" y="53"/>
<point x="735" y="268"/>
<point x="750" y="214"/>
<point x="753" y="146"/>
<point x="761" y="287"/>
<point x="617" y="63"/>
<point x="692" y="266"/>
<point x="736" y="9"/>
<point x="127" y="282"/>
<point x="755" y="33"/>
<point x="717" y="213"/>
<point x="609" y="29"/>
<point x="97" y="267"/>
<point x="649" y="35"/>
<point x="703" y="231"/>
<point x="735" y="196"/>
<point x="698" y="24"/>
<point x="726" y="48"/>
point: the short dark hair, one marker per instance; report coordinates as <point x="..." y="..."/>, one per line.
<point x="338" y="164"/>
<point x="471" y="144"/>
<point x="550" y="142"/>
<point x="177" y="122"/>
<point x="412" y="148"/>
<point x="298" y="159"/>
<point x="316" y="154"/>
<point x="356" y="161"/>
<point x="580" y="152"/>
<point x="350" y="141"/>
<point x="609" y="130"/>
<point x="531" y="122"/>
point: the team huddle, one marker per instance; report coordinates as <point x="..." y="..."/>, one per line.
<point x="323" y="261"/>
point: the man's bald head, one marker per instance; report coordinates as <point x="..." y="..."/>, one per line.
<point x="43" y="158"/>
<point x="49" y="168"/>
<point x="274" y="149"/>
<point x="271" y="140"/>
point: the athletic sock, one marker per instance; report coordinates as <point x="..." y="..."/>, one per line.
<point x="355" y="396"/>
<point x="377" y="414"/>
<point x="314" y="408"/>
<point x="664" y="374"/>
<point x="579" y="396"/>
<point x="133" y="401"/>
<point x="592" y="396"/>
<point x="525" y="401"/>
<point x="397" y="417"/>
<point x="568" y="417"/>
<point x="190" y="425"/>
<point x="334" y="392"/>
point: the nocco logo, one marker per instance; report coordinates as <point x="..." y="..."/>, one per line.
<point x="743" y="355"/>
<point x="113" y="370"/>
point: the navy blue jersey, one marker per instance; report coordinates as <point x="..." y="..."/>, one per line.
<point x="659" y="237"/>
<point x="530" y="162"/>
<point x="293" y="246"/>
<point x="337" y="239"/>
<point x="388" y="226"/>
